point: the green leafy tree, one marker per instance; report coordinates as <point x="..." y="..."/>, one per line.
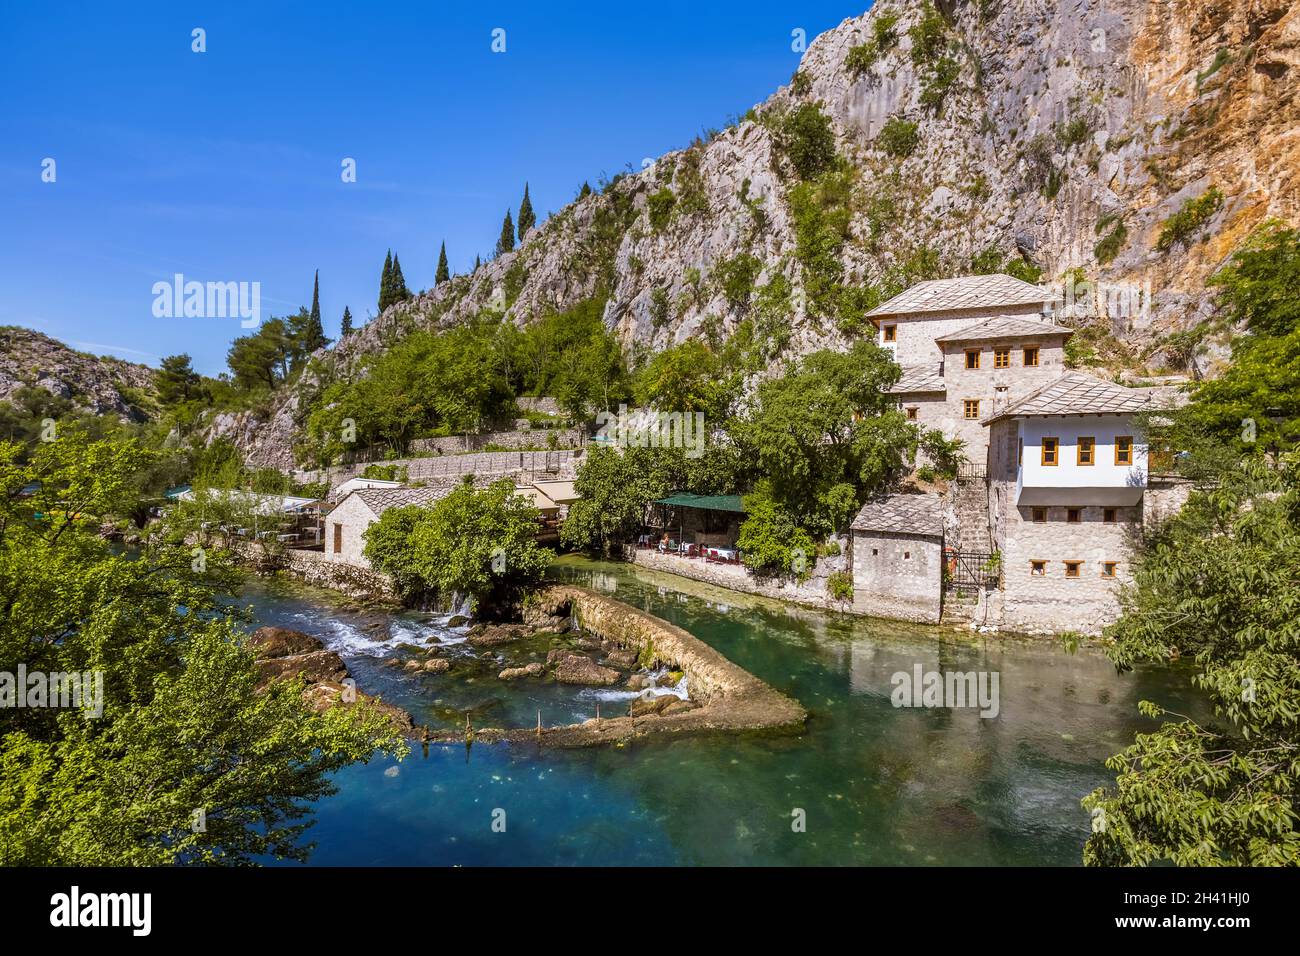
<point x="527" y="219"/>
<point x="313" y="336"/>
<point x="506" y="241"/>
<point x="177" y="381"/>
<point x="614" y="490"/>
<point x="771" y="541"/>
<point x="443" y="273"/>
<point x="183" y="723"/>
<point x="687" y="377"/>
<point x="1219" y="584"/>
<point x="400" y="292"/>
<point x="478" y="543"/>
<point x="807" y="140"/>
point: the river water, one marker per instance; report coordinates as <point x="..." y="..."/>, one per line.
<point x="867" y="783"/>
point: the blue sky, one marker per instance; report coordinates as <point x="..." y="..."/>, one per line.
<point x="225" y="165"/>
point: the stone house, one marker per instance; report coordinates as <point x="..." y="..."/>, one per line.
<point x="897" y="552"/>
<point x="1068" y="482"/>
<point x="346" y="525"/>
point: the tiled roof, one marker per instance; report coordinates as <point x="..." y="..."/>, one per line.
<point x="380" y="500"/>
<point x="1075" y="393"/>
<point x="964" y="292"/>
<point x="902" y="514"/>
<point x="1006" y="327"/>
<point x="920" y="378"/>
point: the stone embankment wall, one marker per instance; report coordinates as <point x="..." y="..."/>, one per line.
<point x="732" y="699"/>
<point x="811" y="592"/>
<point x="314" y="568"/>
<point x="562" y="463"/>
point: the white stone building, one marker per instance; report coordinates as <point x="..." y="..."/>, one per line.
<point x="897" y="550"/>
<point x="346" y="525"/>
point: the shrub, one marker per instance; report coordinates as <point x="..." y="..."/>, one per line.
<point x="807" y="141"/>
<point x="735" y="278"/>
<point x="1074" y="132"/>
<point x="1109" y="247"/>
<point x="771" y="542"/>
<point x="840" y="585"/>
<point x="928" y="35"/>
<point x="659" y="208"/>
<point x="1190" y="219"/>
<point x="939" y="82"/>
<point x="898" y="137"/>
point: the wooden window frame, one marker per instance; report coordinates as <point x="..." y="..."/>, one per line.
<point x="1002" y="358"/>
<point x="889" y="333"/>
<point x="913" y="413"/>
<point x="973" y="354"/>
<point x="1056" y="452"/>
<point x="1109" y="569"/>
<point x="1078" y="568"/>
<point x="966" y="404"/>
<point x="1034" y="513"/>
<point x="1110" y="515"/>
<point x="1126" y="458"/>
<point x="1074" y="516"/>
<point x="1037" y="574"/>
<point x="1026" y="352"/>
<point x="1079" y="445"/>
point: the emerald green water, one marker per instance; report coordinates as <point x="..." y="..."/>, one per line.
<point x="877" y="784"/>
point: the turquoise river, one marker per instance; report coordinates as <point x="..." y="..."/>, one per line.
<point x="867" y="783"/>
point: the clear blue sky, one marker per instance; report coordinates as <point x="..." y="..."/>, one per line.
<point x="225" y="165"/>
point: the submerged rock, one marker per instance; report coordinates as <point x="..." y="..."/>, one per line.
<point x="622" y="657"/>
<point x="528" y="670"/>
<point x="457" y="620"/>
<point x="576" y="669"/>
<point x="495" y="634"/>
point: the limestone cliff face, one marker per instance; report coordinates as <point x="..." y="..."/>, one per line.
<point x="100" y="384"/>
<point x="1070" y="131"/>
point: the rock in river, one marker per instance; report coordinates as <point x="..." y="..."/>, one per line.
<point x="528" y="670"/>
<point x="282" y="642"/>
<point x="575" y="669"/>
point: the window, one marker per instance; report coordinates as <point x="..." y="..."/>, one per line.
<point x="338" y="537"/>
<point x="889" y="332"/>
<point x="1124" y="450"/>
<point x="907" y="555"/>
<point x="1020" y="451"/>
<point x="1087" y="451"/>
<point x="875" y="551"/>
<point x="1108" y="568"/>
<point x="1108" y="515"/>
<point x="1040" y="515"/>
<point x="911" y="414"/>
<point x="972" y="358"/>
<point x="1031" y="356"/>
<point x="972" y="407"/>
<point x="1050" y="448"/>
<point x="1038" y="568"/>
<point x="1073" y="515"/>
<point x="1072" y="568"/>
<point x="1002" y="358"/>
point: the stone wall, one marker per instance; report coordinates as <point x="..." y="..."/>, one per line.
<point x="915" y="343"/>
<point x="811" y="592"/>
<point x="312" y="567"/>
<point x="349" y="521"/>
<point x="898" y="576"/>
<point x="561" y="463"/>
<point x="526" y="439"/>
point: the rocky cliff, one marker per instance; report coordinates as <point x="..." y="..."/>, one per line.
<point x="1053" y="135"/>
<point x="100" y="384"/>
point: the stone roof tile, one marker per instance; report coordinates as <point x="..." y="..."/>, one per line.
<point x="964" y="292"/>
<point x="902" y="514"/>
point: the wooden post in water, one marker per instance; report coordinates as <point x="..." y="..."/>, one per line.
<point x="539" y="723"/>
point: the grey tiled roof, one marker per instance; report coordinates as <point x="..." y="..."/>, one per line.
<point x="902" y="514"/>
<point x="1075" y="393"/>
<point x="964" y="292"/>
<point x="380" y="500"/>
<point x="920" y="378"/>
<point x="1006" y="327"/>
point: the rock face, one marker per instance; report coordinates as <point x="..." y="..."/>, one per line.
<point x="100" y="384"/>
<point x="1068" y="133"/>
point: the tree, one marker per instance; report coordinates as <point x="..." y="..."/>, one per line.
<point x="443" y="273"/>
<point x="478" y="261"/>
<point x="183" y="724"/>
<point x="1219" y="584"/>
<point x="613" y="491"/>
<point x="346" y="326"/>
<point x="687" y="377"/>
<point x="386" y="283"/>
<point x="477" y="543"/>
<point x="771" y="541"/>
<point x="264" y="358"/>
<point x="506" y="242"/>
<point x="807" y="141"/>
<point x="400" y="292"/>
<point x="177" y="381"/>
<point x="526" y="217"/>
<point x="313" y="334"/>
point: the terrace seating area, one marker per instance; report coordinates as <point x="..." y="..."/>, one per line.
<point x="709" y="552"/>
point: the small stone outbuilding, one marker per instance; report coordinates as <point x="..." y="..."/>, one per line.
<point x="898" y="558"/>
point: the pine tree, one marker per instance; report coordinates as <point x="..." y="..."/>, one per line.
<point x="526" y="217"/>
<point x="443" y="272"/>
<point x="507" y="240"/>
<point x="386" y="283"/>
<point x="585" y="191"/>
<point x="400" y="292"/>
<point x="346" y="327"/>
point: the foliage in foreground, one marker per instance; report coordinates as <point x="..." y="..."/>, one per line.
<point x="1220" y="584"/>
<point x="182" y="728"/>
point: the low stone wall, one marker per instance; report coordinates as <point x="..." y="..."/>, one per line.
<point x="732" y="699"/>
<point x="811" y="592"/>
<point x="560" y="463"/>
<point x="522" y="439"/>
<point x="313" y="567"/>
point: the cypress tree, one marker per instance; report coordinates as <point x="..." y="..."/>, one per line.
<point x="400" y="292"/>
<point x="386" y="283"/>
<point x="314" y="336"/>
<point x="507" y="240"/>
<point x="346" y="327"/>
<point x="443" y="272"/>
<point x="526" y="217"/>
<point x="478" y="261"/>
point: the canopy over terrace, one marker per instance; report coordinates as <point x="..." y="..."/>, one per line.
<point x="702" y="520"/>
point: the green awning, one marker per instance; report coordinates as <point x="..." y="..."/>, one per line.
<point x="705" y="502"/>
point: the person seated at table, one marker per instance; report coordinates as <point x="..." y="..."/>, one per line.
<point x="664" y="543"/>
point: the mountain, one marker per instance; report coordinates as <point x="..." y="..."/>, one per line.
<point x="100" y="384"/>
<point x="1131" y="143"/>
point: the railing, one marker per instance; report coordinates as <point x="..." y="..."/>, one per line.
<point x="969" y="572"/>
<point x="969" y="471"/>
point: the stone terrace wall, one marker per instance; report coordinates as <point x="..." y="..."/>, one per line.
<point x="314" y="568"/>
<point x="562" y="463"/>
<point x="811" y="592"/>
